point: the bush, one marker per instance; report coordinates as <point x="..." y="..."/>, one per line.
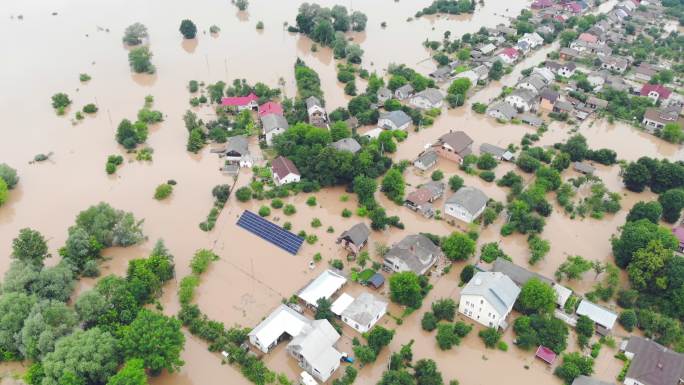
<point x="486" y="162"/>
<point x="90" y="108"/>
<point x="315" y="223"/>
<point x="260" y="25"/>
<point x="429" y="321"/>
<point x="467" y="273"/>
<point x="628" y="319"/>
<point x="444" y="309"/>
<point x="289" y="210"/>
<point x="311" y="201"/>
<point x="487" y="176"/>
<point x="264" y="211"/>
<point x="193" y="86"/>
<point x="243" y="194"/>
<point x="220" y="192"/>
<point x="455" y="183"/>
<point x="188" y="29"/>
<point x="163" y="191"/>
<point x="446" y="336"/>
<point x="277" y="203"/>
<point x="437" y="175"/>
<point x="346" y="213"/>
<point x="490" y="337"/>
<point x="502" y="346"/>
<point x="462" y="329"/>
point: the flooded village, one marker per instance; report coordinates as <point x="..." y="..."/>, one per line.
<point x="335" y="191"/>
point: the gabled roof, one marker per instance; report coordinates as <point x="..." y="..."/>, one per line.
<point x="239" y="101"/>
<point x="458" y="140"/>
<point x="426" y="193"/>
<point x="587" y="37"/>
<point x="427" y="158"/>
<point x="347" y="144"/>
<point x="417" y="251"/>
<point x="584" y="380"/>
<point x="654" y="364"/>
<point x="283" y="166"/>
<point x="357" y="234"/>
<point x="524" y="94"/>
<point x="270" y="108"/>
<point x="520" y="276"/>
<point x="237" y="144"/>
<point x="313" y="101"/>
<point x="510" y="52"/>
<point x="365" y="308"/>
<point x="323" y="286"/>
<point x="662" y="91"/>
<point x="282" y="320"/>
<point x="271" y="121"/>
<point x="433" y="95"/>
<point x="316" y="345"/>
<point x="503" y="108"/>
<point x="470" y="198"/>
<point x="384" y="92"/>
<point x="496" y="288"/>
<point x="406" y="88"/>
<point x="549" y="94"/>
<point x="596" y="313"/>
<point x="398" y="117"/>
<point x="535" y="81"/>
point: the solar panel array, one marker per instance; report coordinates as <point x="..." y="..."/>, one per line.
<point x="270" y="231"/>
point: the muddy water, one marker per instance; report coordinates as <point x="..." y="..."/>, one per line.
<point x="45" y="55"/>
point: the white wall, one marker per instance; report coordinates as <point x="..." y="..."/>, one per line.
<point x="458" y="212"/>
<point x="289" y="178"/>
<point x="480" y="311"/>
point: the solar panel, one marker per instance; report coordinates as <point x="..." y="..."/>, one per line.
<point x="270" y="232"/>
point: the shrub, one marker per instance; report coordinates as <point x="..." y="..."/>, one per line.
<point x="502" y="346"/>
<point x="277" y="203"/>
<point x="429" y="321"/>
<point x="289" y="209"/>
<point x="446" y="336"/>
<point x="311" y="201"/>
<point x="243" y="194"/>
<point x="437" y="175"/>
<point x="444" y="309"/>
<point x="90" y="108"/>
<point x="346" y="213"/>
<point x="315" y="223"/>
<point x="628" y="319"/>
<point x="188" y="29"/>
<point x="163" y="191"/>
<point x="264" y="211"/>
<point x="260" y="25"/>
<point x="467" y="273"/>
<point x="455" y="183"/>
<point x="490" y="337"/>
<point x="488" y="176"/>
<point x="311" y="239"/>
<point x="337" y="264"/>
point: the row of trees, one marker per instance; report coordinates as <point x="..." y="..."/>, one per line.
<point x="321" y="23"/>
<point x="8" y="181"/>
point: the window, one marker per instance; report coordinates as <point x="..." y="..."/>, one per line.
<point x="481" y="301"/>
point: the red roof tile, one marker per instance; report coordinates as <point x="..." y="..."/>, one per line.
<point x="239" y="101"/>
<point x="282" y="166"/>
<point x="662" y="91"/>
<point x="510" y="52"/>
<point x="545" y="354"/>
<point x="270" y="108"/>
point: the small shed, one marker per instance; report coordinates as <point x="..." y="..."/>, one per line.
<point x="545" y="354"/>
<point x="583" y="168"/>
<point x="376" y="281"/>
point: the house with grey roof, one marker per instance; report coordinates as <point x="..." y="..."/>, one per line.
<point x="531" y="119"/>
<point x="314" y="349"/>
<point x="454" y="145"/>
<point x="652" y="363"/>
<point x="426" y="160"/>
<point x="442" y="73"/>
<point x="427" y="99"/>
<point x="364" y="312"/>
<point x="519" y="275"/>
<point x="497" y="152"/>
<point x="384" y="94"/>
<point x="535" y="83"/>
<point x="416" y="253"/>
<point x="488" y="298"/>
<point x="466" y="204"/>
<point x="403" y="92"/>
<point x="502" y="111"/>
<point x="522" y="99"/>
<point x="583" y="168"/>
<point x="272" y="125"/>
<point x="236" y="151"/>
<point x="317" y="115"/>
<point x="347" y="144"/>
<point x="394" y="120"/>
<point x="355" y="239"/>
<point x="422" y="198"/>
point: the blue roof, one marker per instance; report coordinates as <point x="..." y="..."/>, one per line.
<point x="270" y="231"/>
<point x="376" y="280"/>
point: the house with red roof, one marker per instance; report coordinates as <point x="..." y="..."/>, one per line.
<point x="588" y="38"/>
<point x="655" y="91"/>
<point x="509" y="55"/>
<point x="241" y="102"/>
<point x="541" y="4"/>
<point x="574" y="7"/>
<point x="545" y="354"/>
<point x="270" y="108"/>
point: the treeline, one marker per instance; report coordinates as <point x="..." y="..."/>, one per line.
<point x="107" y="336"/>
<point x="321" y="23"/>
<point x="8" y="181"/>
<point x="453" y="7"/>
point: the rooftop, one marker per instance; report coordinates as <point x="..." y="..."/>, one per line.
<point x="470" y="198"/>
<point x="282" y="320"/>
<point x="323" y="286"/>
<point x="654" y="364"/>
<point x="497" y="288"/>
<point x="283" y="166"/>
<point x="598" y="314"/>
<point x="365" y="308"/>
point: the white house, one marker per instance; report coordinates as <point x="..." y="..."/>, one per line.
<point x="533" y="40"/>
<point x="567" y="69"/>
<point x="314" y="349"/>
<point x="545" y="73"/>
<point x="509" y="55"/>
<point x="466" y="204"/>
<point x="502" y="111"/>
<point x="534" y="83"/>
<point x="427" y="99"/>
<point x="394" y="120"/>
<point x="323" y="286"/>
<point x="522" y="99"/>
<point x="416" y="253"/>
<point x="364" y="312"/>
<point x="272" y="125"/>
<point x="317" y="114"/>
<point x="282" y="321"/>
<point x="488" y="299"/>
<point x="237" y="152"/>
<point x="284" y="171"/>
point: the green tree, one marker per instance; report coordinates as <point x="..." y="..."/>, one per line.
<point x="156" y="339"/>
<point x="486" y="162"/>
<point x="576" y="147"/>
<point x="672" y="202"/>
<point x="195" y="140"/>
<point x="188" y="29"/>
<point x="574" y="365"/>
<point x="4" y="194"/>
<point x="393" y="185"/>
<point x="585" y="326"/>
<point x="364" y="354"/>
<point x="458" y="246"/>
<point x="459" y="86"/>
<point x="140" y="60"/>
<point x="90" y="356"/>
<point x="9" y="175"/>
<point x="90" y="306"/>
<point x="378" y="338"/>
<point x="628" y="319"/>
<point x="426" y="373"/>
<point x="446" y="336"/>
<point x="536" y="297"/>
<point x="134" y="34"/>
<point x="455" y="183"/>
<point x="324" y="309"/>
<point x="645" y="210"/>
<point x="365" y="188"/>
<point x="437" y="175"/>
<point x="490" y="337"/>
<point x="637" y="235"/>
<point x="496" y="72"/>
<point x="163" y="191"/>
<point x="673" y="133"/>
<point x="60" y="101"/>
<point x="429" y="321"/>
<point x="646" y="269"/>
<point x="46" y="323"/>
<point x="132" y="373"/>
<point x="405" y="289"/>
<point x="467" y="273"/>
<point x="636" y="177"/>
<point x="30" y="247"/>
<point x="14" y="309"/>
<point x="573" y="267"/>
<point x="444" y="309"/>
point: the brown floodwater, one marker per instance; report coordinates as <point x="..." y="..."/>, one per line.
<point x="46" y="53"/>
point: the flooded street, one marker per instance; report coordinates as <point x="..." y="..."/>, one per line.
<point x="45" y="53"/>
